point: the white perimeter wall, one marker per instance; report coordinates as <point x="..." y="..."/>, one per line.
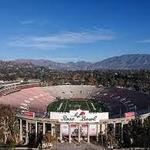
<point x="79" y="116"/>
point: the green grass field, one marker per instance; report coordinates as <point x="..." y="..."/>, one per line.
<point x="65" y="105"/>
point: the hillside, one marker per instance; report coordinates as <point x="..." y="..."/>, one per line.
<point x="130" y="61"/>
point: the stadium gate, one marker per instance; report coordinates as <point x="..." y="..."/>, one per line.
<point x="79" y="123"/>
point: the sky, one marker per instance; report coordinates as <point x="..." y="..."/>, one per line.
<point x="73" y="30"/>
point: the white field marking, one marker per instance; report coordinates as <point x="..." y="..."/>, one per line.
<point x="88" y="106"/>
<point x="60" y="106"/>
<point x="100" y="109"/>
<point x="93" y="106"/>
<point x="66" y="105"/>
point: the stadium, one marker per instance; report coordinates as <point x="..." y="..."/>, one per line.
<point x="72" y="113"/>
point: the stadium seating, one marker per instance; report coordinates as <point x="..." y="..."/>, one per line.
<point x="118" y="100"/>
<point x="123" y="100"/>
<point x="71" y="91"/>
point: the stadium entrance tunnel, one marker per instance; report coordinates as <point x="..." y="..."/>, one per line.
<point x="32" y="133"/>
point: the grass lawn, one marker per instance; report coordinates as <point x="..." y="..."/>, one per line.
<point x="65" y="105"/>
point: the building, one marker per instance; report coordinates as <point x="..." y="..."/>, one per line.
<point x="79" y="123"/>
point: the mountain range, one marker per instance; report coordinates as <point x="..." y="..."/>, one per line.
<point x="129" y="61"/>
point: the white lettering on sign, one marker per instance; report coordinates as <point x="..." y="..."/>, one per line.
<point x="81" y="118"/>
<point x="65" y="118"/>
<point x="78" y="116"/>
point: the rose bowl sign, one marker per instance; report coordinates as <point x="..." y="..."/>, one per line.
<point x="78" y="116"/>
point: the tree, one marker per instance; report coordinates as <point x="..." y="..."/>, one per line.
<point x="137" y="133"/>
<point x="9" y="127"/>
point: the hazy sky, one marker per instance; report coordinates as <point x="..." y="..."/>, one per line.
<point x="73" y="30"/>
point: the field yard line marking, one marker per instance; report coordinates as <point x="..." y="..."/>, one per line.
<point x="60" y="106"/>
<point x="66" y="105"/>
<point x="88" y="105"/>
<point x="93" y="106"/>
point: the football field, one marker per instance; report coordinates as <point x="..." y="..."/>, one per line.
<point x="66" y="105"/>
